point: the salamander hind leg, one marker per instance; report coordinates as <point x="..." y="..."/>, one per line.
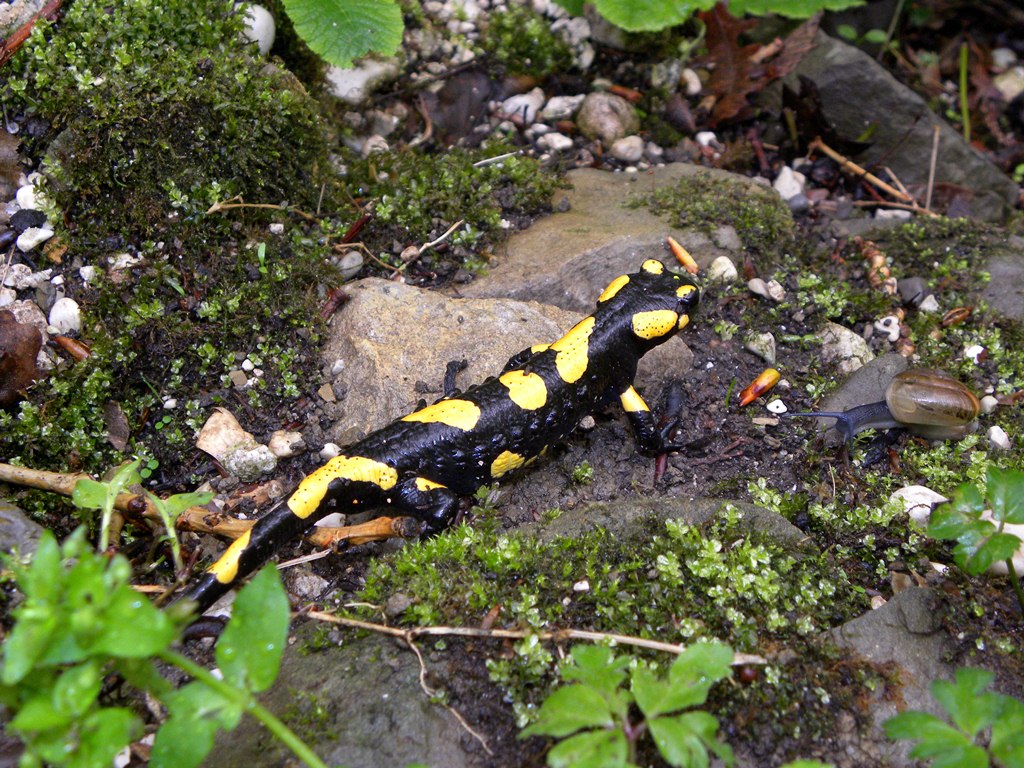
<point x="650" y="438"/>
<point x="431" y="502"/>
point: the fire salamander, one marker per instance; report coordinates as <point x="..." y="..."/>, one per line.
<point x="423" y="462"/>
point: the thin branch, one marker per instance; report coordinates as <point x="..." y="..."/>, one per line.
<point x="852" y="167"/>
<point x="225" y="205"/>
<point x="931" y="166"/>
<point x="558" y="635"/>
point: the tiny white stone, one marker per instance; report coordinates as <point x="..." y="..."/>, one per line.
<point x="918" y="501"/>
<point x="581" y="586"/>
<point x="7" y="296"/>
<point x="333" y="520"/>
<point x="722" y="270"/>
<point x="1003" y="57"/>
<point x="374" y="144"/>
<point x="247" y="364"/>
<point x="277" y="228"/>
<point x="769" y="290"/>
<point x="337" y="367"/>
<point x="555" y="142"/>
<point x="775" y="291"/>
<point x="329" y="451"/>
<point x="892" y="213"/>
<point x="706" y="138"/>
<point x="789" y="183"/>
<point x="32" y="237"/>
<point x="123" y="261"/>
<point x="21" y="277"/>
<point x="888" y="326"/>
<point x="58" y="280"/>
<point x="25" y="197"/>
<point x="998" y="438"/>
<point x="284" y="443"/>
<point x="691" y="81"/>
<point x="259" y="27"/>
<point x="87" y="273"/>
<point x="776" y="406"/>
<point x="628" y="149"/>
<point x="170" y="404"/>
<point x="929" y="304"/>
<point x="988" y="404"/>
<point x="524" y="106"/>
<point x="66" y="316"/>
<point x="973" y="352"/>
<point x="762" y="345"/>
<point x="561" y="107"/>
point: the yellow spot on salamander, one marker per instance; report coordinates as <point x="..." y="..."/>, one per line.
<point x="506" y="462"/>
<point x="653" y="266"/>
<point x="684" y="320"/>
<point x="632" y="402"/>
<point x="527" y="390"/>
<point x="455" y="413"/>
<point x="613" y="288"/>
<point x="225" y="570"/>
<point x="573" y="353"/>
<point x="657" y="322"/>
<point x="311" y="492"/>
<point x="422" y="484"/>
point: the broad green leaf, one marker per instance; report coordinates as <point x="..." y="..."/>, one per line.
<point x="689" y="679"/>
<point x="40" y="714"/>
<point x="876" y="36"/>
<point x="43" y="579"/>
<point x="196" y="701"/>
<point x="651" y="15"/>
<point x="1007" y="742"/>
<point x="568" y="709"/>
<point x="103" y="734"/>
<point x="182" y="743"/>
<point x="77" y="688"/>
<point x="178" y="503"/>
<point x="969" y="756"/>
<point x="970" y="708"/>
<point x="794" y="9"/>
<point x="914" y="725"/>
<point x="596" y="666"/>
<point x="27" y="643"/>
<point x="340" y="31"/>
<point x="593" y="749"/>
<point x="89" y="494"/>
<point x="574" y="7"/>
<point x="968" y="500"/>
<point x="684" y="740"/>
<point x="998" y="547"/>
<point x="133" y="627"/>
<point x="947" y="522"/>
<point x="702" y="663"/>
<point x="656" y="697"/>
<point x="1006" y="492"/>
<point x="249" y="651"/>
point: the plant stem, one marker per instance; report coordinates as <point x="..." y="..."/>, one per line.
<point x="281" y="731"/>
<point x="1015" y="581"/>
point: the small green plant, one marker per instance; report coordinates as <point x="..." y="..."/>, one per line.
<point x="583" y="473"/>
<point x="987" y="727"/>
<point x="81" y="623"/>
<point x="983" y="540"/>
<point x="592" y="714"/>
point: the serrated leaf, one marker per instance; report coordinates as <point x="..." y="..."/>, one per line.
<point x="568" y="709"/>
<point x="685" y="740"/>
<point x="1006" y="492"/>
<point x="249" y="650"/>
<point x="914" y="725"/>
<point x="597" y="667"/>
<point x="340" y="31"/>
<point x="1007" y="742"/>
<point x="947" y="522"/>
<point x="970" y="708"/>
<point x="593" y="749"/>
<point x="649" y="16"/>
<point x="998" y="547"/>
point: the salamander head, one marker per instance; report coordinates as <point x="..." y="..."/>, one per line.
<point x="657" y="302"/>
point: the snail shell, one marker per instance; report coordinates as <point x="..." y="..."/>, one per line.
<point x="932" y="403"/>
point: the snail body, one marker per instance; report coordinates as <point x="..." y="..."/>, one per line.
<point x="925" y="402"/>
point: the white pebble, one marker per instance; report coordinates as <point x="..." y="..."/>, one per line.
<point x="706" y="139"/>
<point x="32" y="237"/>
<point x="581" y="586"/>
<point x="65" y="316"/>
<point x="918" y="501"/>
<point x="762" y="345"/>
<point x="988" y="404"/>
<point x="628" y="149"/>
<point x="722" y="270"/>
<point x="277" y="228"/>
<point x="284" y="443"/>
<point x="973" y="352"/>
<point x="776" y="406"/>
<point x="889" y="327"/>
<point x="561" y="107"/>
<point x="21" y="277"/>
<point x="170" y="404"/>
<point x="929" y="304"/>
<point x="769" y="290"/>
<point x="329" y="451"/>
<point x="789" y="183"/>
<point x="691" y="81"/>
<point x="354" y="85"/>
<point x="524" y="106"/>
<point x="26" y="197"/>
<point x="7" y="296"/>
<point x="87" y="273"/>
<point x="555" y="142"/>
<point x="998" y="438"/>
<point x="892" y="213"/>
<point x="374" y="144"/>
<point x="259" y="27"/>
<point x="1003" y="57"/>
<point x="247" y="364"/>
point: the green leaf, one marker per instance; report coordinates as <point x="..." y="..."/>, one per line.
<point x="876" y="36"/>
<point x="969" y="707"/>
<point x="103" y="735"/>
<point x="27" y="643"/>
<point x="179" y="502"/>
<point x="597" y="667"/>
<point x="914" y="725"/>
<point x="568" y="709"/>
<point x="847" y="32"/>
<point x="340" y="31"/>
<point x="794" y="9"/>
<point x="651" y="15"/>
<point x="1007" y="742"/>
<point x="999" y="546"/>
<point x="593" y="749"/>
<point x="1006" y="492"/>
<point x="249" y="651"/>
<point x="77" y="688"/>
<point x="574" y="7"/>
<point x="968" y="500"/>
<point x="89" y="494"/>
<point x="133" y="628"/>
<point x="684" y="740"/>
<point x="182" y="743"/>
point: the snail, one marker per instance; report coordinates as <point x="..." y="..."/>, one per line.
<point x="925" y="402"/>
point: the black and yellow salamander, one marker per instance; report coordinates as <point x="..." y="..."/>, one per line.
<point x="423" y="462"/>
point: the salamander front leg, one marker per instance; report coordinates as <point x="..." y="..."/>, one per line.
<point x="649" y="437"/>
<point x="431" y="502"/>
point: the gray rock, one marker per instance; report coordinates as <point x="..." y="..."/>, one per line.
<point x="18" y="532"/>
<point x="567" y="258"/>
<point x="844" y="347"/>
<point x="606" y="117"/>
<point x="1005" y="291"/>
<point x="857" y="93"/>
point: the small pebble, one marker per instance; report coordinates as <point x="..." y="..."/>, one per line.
<point x="918" y="501"/>
<point x="284" y="444"/>
<point x="789" y="183"/>
<point x="606" y="117"/>
<point x="32" y="237"/>
<point x="350" y="264"/>
<point x="998" y="438"/>
<point x="555" y="142"/>
<point x="170" y="404"/>
<point x="22" y="278"/>
<point x="691" y="81"/>
<point x="524" y="106"/>
<point x="66" y="316"/>
<point x="581" y="586"/>
<point x="929" y="304"/>
<point x="277" y="228"/>
<point x="913" y="290"/>
<point x="799" y="203"/>
<point x="26" y="197"/>
<point x="1003" y="57"/>
<point x="629" y="149"/>
<point x="889" y="327"/>
<point x="329" y="451"/>
<point x="706" y="139"/>
<point x="762" y="345"/>
<point x="777" y="406"/>
<point x="326" y="392"/>
<point x="988" y="404"/>
<point x="374" y="144"/>
<point x="561" y="107"/>
<point x="973" y="352"/>
<point x="893" y="213"/>
<point x="259" y="27"/>
<point x="772" y="289"/>
<point x="248" y="365"/>
<point x="722" y="270"/>
<point x="87" y="273"/>
<point x="238" y="378"/>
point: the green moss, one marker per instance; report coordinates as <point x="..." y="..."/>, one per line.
<point x="158" y="110"/>
<point x="760" y="217"/>
<point x="310" y="717"/>
<point x="418" y="196"/>
<point x="520" y="42"/>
